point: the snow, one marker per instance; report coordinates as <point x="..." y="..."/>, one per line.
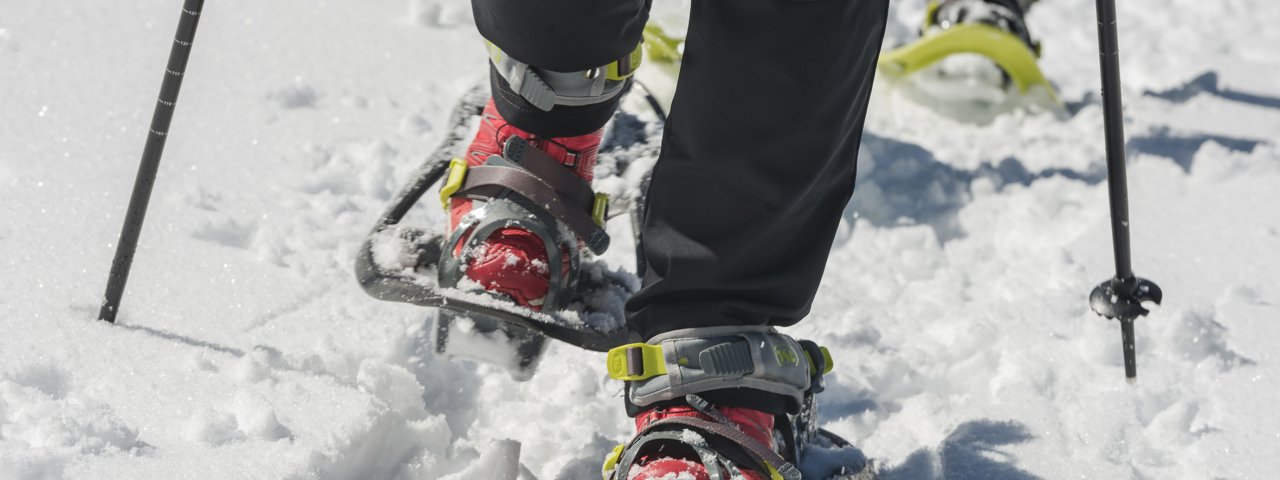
<point x="954" y="301"/>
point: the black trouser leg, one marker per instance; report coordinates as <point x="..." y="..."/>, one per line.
<point x="564" y="36"/>
<point x="758" y="161"/>
<point x="757" y="165"/>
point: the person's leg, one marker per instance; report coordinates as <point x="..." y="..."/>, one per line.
<point x="758" y="161"/>
<point x="757" y="165"/>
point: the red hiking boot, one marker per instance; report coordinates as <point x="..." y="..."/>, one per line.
<point x="675" y="463"/>
<point x="513" y="261"/>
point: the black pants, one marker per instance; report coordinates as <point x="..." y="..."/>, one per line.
<point x="759" y="152"/>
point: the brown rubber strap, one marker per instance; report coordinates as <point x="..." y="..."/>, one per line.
<point x="550" y="171"/>
<point x="490" y="181"/>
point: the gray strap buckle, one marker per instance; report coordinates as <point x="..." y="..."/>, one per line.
<point x="545" y="89"/>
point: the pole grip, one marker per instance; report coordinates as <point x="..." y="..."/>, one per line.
<point x="161" y="118"/>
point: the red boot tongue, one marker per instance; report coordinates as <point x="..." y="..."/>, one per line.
<point x="513" y="262"/>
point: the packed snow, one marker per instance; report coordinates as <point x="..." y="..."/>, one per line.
<point x="954" y="301"/>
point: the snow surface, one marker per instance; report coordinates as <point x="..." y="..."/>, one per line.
<point x="954" y="301"/>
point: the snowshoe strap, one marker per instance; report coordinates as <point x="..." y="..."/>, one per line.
<point x="573" y="203"/>
<point x="569" y="185"/>
<point x="692" y="361"/>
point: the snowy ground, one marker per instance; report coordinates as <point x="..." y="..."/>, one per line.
<point x="954" y="300"/>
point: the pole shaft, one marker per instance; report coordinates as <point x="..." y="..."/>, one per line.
<point x="151" y="152"/>
<point x="1113" y="118"/>
<point x="1130" y="348"/>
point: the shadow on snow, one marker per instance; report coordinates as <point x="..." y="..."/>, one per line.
<point x="910" y="186"/>
<point x="972" y="450"/>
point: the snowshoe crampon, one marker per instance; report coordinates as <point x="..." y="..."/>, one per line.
<point x="405" y="263"/>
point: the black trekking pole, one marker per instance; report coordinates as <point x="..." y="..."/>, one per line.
<point x="1120" y="297"/>
<point x="160" y="120"/>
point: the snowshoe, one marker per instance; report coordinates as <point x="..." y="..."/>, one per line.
<point x="412" y="264"/>
<point x="993" y="30"/>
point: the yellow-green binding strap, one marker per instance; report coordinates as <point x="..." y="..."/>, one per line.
<point x="611" y="461"/>
<point x="827" y="363"/>
<point x="495" y="53"/>
<point x="1005" y="49"/>
<point x="773" y="472"/>
<point x="600" y="209"/>
<point x="457" y="174"/>
<point x="625" y="67"/>
<point x="635" y="362"/>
